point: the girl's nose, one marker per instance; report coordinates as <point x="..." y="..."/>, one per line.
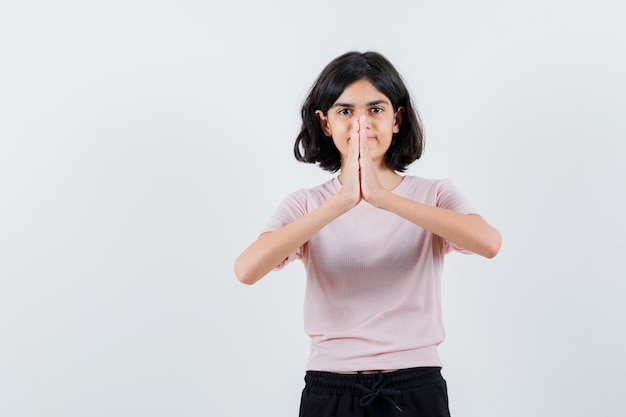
<point x="364" y="120"/>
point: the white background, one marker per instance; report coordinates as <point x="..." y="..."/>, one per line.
<point x="144" y="144"/>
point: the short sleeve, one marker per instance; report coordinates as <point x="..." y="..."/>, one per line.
<point x="290" y="209"/>
<point x="451" y="198"/>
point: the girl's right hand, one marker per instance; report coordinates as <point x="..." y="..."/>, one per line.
<point x="351" y="181"/>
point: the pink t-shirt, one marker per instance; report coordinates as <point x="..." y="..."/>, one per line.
<point x="373" y="291"/>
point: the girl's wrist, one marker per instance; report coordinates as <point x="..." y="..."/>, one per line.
<point x="378" y="198"/>
<point x="343" y="202"/>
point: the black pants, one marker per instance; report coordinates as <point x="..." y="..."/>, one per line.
<point x="419" y="392"/>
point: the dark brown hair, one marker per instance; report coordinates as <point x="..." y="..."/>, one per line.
<point x="312" y="145"/>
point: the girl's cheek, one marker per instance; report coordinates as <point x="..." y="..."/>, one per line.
<point x="342" y="129"/>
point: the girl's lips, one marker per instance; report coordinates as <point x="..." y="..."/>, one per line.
<point x="368" y="138"/>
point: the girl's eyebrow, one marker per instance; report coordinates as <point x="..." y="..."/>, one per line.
<point x="371" y="103"/>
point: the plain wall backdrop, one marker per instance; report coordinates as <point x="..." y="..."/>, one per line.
<point x="143" y="145"/>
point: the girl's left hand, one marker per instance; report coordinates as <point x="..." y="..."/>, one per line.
<point x="370" y="184"/>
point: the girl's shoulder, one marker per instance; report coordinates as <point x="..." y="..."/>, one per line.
<point x="415" y="182"/>
<point x="318" y="193"/>
<point x="441" y="192"/>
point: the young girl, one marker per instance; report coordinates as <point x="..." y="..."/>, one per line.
<point x="373" y="243"/>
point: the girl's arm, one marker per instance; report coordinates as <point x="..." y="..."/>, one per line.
<point x="272" y="248"/>
<point x="468" y="231"/>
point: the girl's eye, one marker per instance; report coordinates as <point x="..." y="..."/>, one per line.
<point x="345" y="111"/>
<point x="376" y="110"/>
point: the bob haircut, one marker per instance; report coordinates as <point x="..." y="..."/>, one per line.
<point x="313" y="146"/>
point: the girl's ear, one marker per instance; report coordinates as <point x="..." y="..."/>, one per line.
<point x="323" y="120"/>
<point x="397" y="122"/>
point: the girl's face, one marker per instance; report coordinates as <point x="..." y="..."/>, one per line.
<point x="358" y="99"/>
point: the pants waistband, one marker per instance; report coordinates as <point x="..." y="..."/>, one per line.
<point x="335" y="383"/>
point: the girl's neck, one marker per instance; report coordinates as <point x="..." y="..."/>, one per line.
<point x="388" y="178"/>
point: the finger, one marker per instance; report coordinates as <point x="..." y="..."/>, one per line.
<point x="364" y="150"/>
<point x="355" y="131"/>
<point x="362" y="128"/>
<point x="354" y="140"/>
